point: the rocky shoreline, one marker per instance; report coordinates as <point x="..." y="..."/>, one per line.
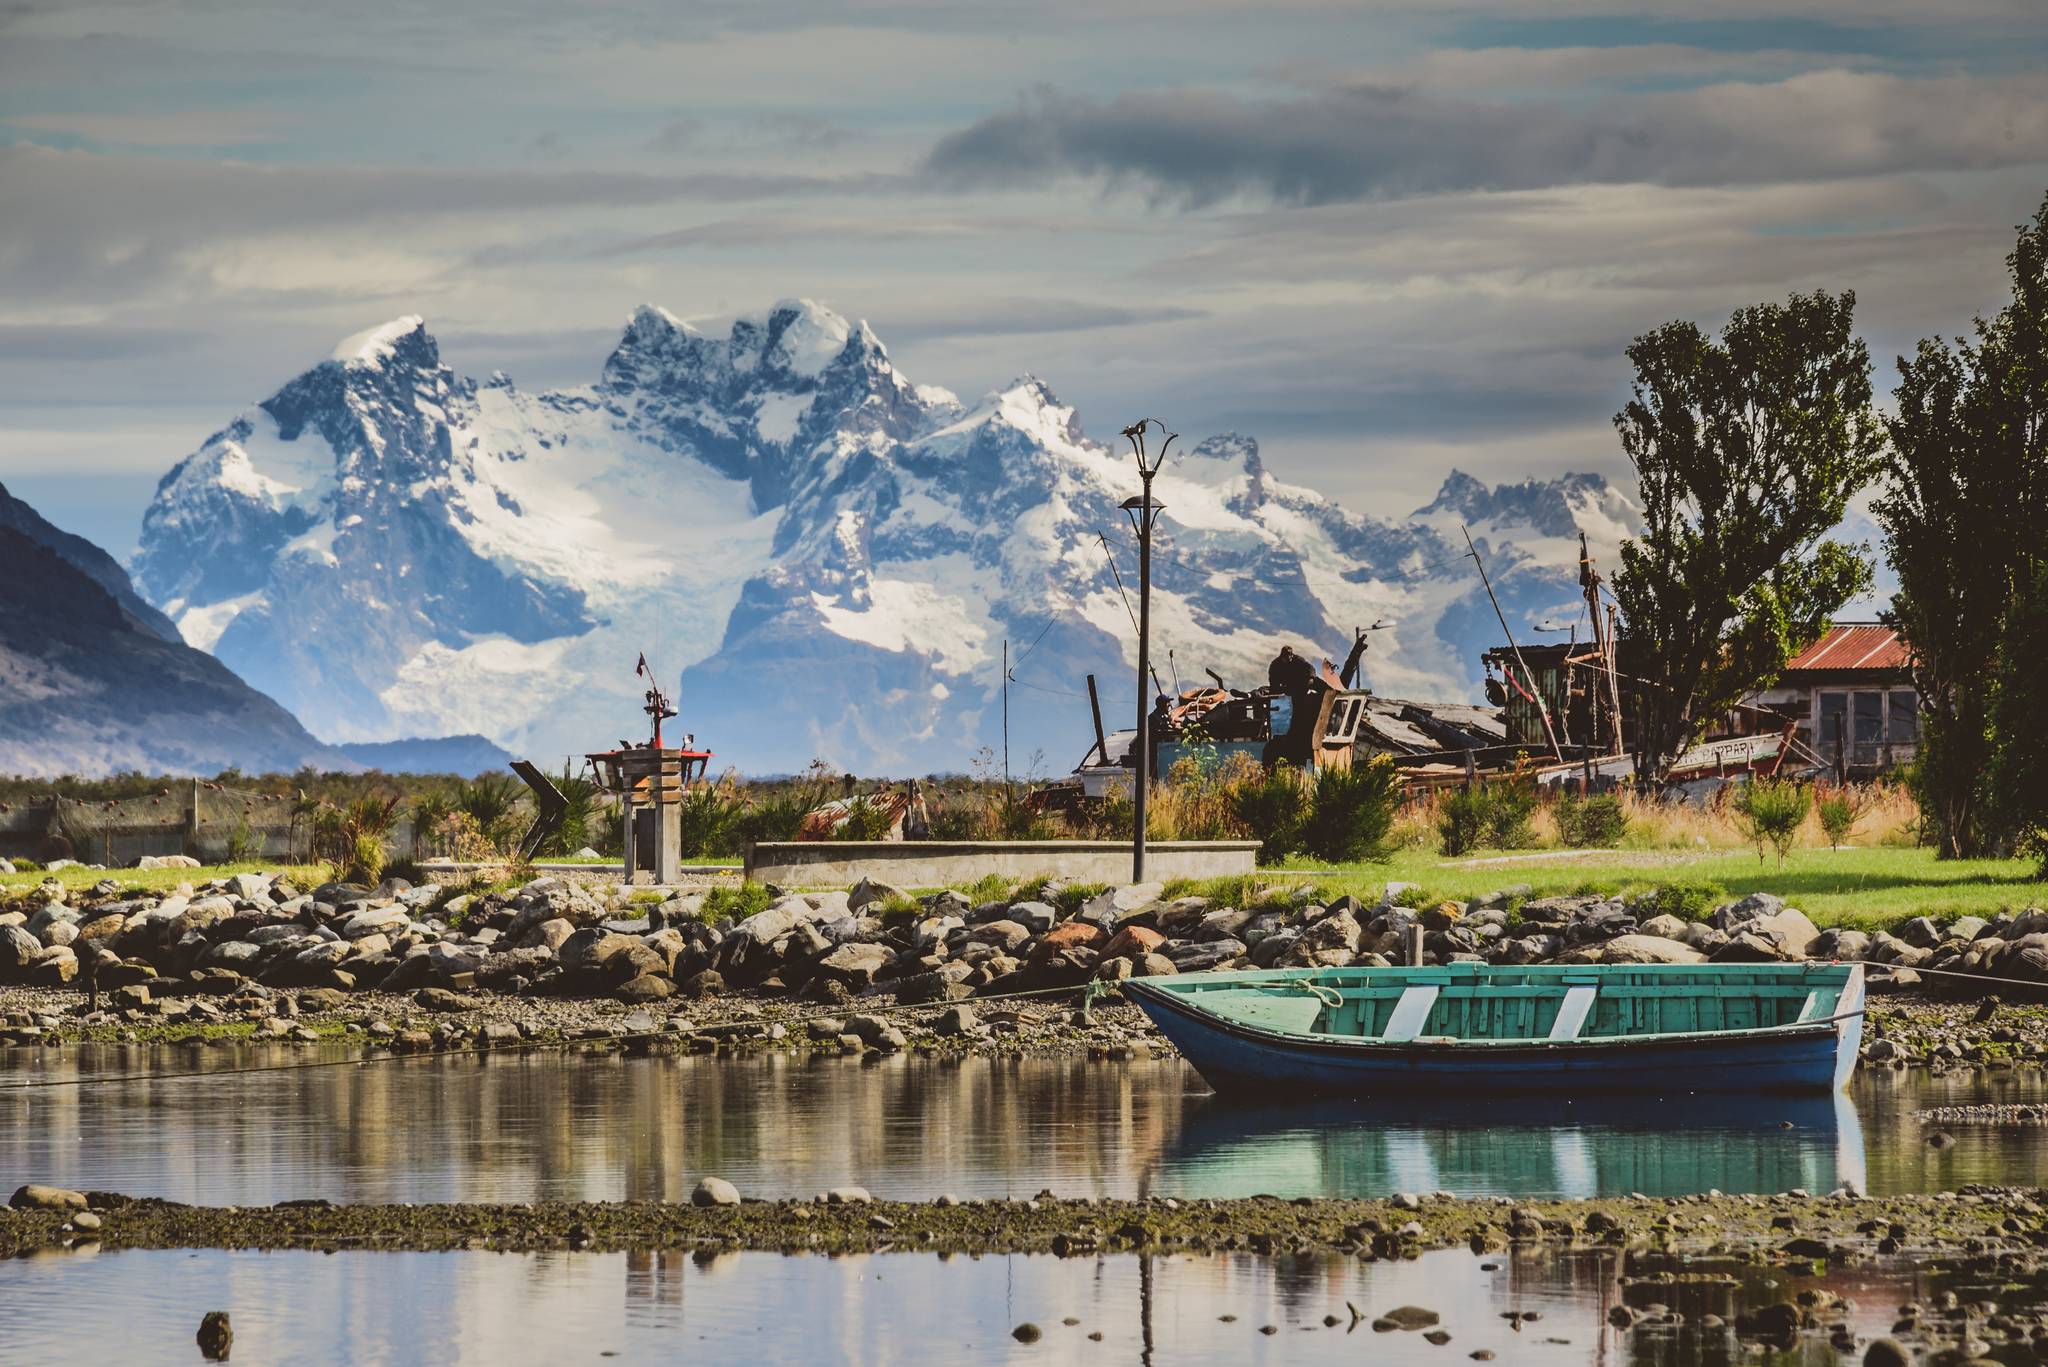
<point x="575" y="961"/>
<point x="1794" y="1229"/>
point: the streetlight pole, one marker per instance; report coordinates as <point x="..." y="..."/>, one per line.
<point x="1143" y="512"/>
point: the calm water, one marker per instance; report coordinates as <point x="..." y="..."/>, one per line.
<point x="553" y="1125"/>
<point x="450" y="1308"/>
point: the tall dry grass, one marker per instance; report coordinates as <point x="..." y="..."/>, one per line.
<point x="1887" y="816"/>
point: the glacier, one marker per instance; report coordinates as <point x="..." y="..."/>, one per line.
<point x="826" y="557"/>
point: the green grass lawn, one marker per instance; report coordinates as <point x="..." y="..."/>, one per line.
<point x="1866" y="888"/>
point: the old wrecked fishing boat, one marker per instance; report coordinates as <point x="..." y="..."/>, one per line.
<point x="1654" y="1029"/>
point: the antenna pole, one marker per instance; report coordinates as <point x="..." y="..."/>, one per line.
<point x="1535" y="689"/>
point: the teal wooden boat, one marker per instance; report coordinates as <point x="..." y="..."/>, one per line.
<point x="1657" y="1029"/>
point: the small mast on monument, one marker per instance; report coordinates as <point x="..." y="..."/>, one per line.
<point x="649" y="781"/>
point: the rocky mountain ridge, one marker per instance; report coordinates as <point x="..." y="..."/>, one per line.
<point x="830" y="555"/>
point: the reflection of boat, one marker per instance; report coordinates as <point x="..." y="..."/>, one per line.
<point x="1566" y="1029"/>
<point x="1513" y="1146"/>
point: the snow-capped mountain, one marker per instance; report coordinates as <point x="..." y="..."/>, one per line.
<point x="831" y="555"/>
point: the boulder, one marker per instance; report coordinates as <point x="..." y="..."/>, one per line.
<point x="1747" y="909"/>
<point x="1789" y="929"/>
<point x="1156" y="966"/>
<point x="958" y="1020"/>
<point x="368" y="920"/>
<point x="1201" y="956"/>
<point x="1666" y="926"/>
<point x="715" y="1191"/>
<point x="1036" y="917"/>
<point x="18" y="949"/>
<point x="644" y="988"/>
<point x="1745" y="948"/>
<point x="856" y="965"/>
<point x="56" y="967"/>
<point x="1069" y="935"/>
<point x="1006" y="935"/>
<point x="250" y="887"/>
<point x="1132" y="942"/>
<point x="1649" y="949"/>
<point x="873" y="892"/>
<point x="1338" y="931"/>
<point x="36" y="1196"/>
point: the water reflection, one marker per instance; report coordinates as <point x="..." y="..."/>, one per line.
<point x="461" y="1308"/>
<point x="595" y="1127"/>
<point x="1518" y="1147"/>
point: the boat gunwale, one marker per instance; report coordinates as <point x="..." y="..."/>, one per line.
<point x="1185" y="1003"/>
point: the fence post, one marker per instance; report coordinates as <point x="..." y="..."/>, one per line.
<point x="191" y="818"/>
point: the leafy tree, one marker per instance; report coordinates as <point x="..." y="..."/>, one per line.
<point x="1963" y="509"/>
<point x="1747" y="450"/>
<point x="1839" y="811"/>
<point x="1771" y="811"/>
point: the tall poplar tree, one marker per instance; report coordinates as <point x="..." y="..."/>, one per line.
<point x="1747" y="450"/>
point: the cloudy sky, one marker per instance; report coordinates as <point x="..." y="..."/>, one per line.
<point x="1383" y="237"/>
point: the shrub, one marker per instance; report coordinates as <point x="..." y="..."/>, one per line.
<point x="1598" y="821"/>
<point x="456" y="836"/>
<point x="1839" y="811"/>
<point x="960" y="819"/>
<point x="1687" y="901"/>
<point x="1771" y="811"/>
<point x="704" y="821"/>
<point x="243" y="844"/>
<point x="492" y="800"/>
<point x="1461" y="819"/>
<point x="1272" y="808"/>
<point x="1350" y="810"/>
<point x="429" y="810"/>
<point x="1510" y="803"/>
<point x="865" y="819"/>
<point x="737" y="901"/>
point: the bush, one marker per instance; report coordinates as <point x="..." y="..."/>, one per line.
<point x="1272" y="808"/>
<point x="1510" y="804"/>
<point x="1599" y="821"/>
<point x="739" y="902"/>
<point x="1461" y="819"/>
<point x="865" y="819"/>
<point x="1687" y="901"/>
<point x="1839" y="811"/>
<point x="704" y="822"/>
<point x="1350" y="810"/>
<point x="1771" y="811"/>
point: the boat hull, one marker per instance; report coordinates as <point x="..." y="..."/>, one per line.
<point x="1240" y="1059"/>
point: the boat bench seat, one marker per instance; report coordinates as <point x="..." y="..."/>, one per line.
<point x="1573" y="1013"/>
<point x="1411" y="1013"/>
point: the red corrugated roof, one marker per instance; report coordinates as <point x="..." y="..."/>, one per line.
<point x="1853" y="646"/>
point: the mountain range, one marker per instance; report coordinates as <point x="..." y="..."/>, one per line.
<point x="93" y="679"/>
<point x="818" y="556"/>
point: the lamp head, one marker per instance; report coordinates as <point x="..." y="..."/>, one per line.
<point x="1136" y="433"/>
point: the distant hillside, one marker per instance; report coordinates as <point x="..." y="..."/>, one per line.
<point x="87" y="558"/>
<point x="88" y="686"/>
<point x="466" y="755"/>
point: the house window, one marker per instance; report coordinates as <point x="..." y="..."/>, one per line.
<point x="1834" y="710"/>
<point x="1866" y="722"/>
<point x="1344" y="715"/>
<point x="1905" y="718"/>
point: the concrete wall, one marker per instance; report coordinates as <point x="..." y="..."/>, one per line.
<point x="936" y="863"/>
